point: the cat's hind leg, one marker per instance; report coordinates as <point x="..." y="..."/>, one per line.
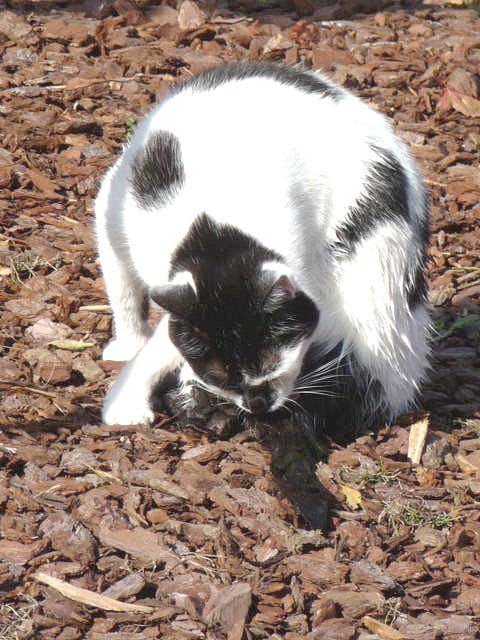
<point x="385" y="326"/>
<point x="127" y="294"/>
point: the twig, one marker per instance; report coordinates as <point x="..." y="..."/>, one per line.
<point x="90" y="598"/>
<point x="26" y="387"/>
<point x="96" y="308"/>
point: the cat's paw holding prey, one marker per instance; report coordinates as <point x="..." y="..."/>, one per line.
<point x="121" y="407"/>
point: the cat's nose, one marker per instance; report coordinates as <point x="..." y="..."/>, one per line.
<point x="257" y="404"/>
<point x="258" y="400"/>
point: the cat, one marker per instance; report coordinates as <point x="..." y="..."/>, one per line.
<point x="272" y="215"/>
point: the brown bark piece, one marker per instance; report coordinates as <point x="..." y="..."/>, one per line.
<point x="139" y="543"/>
<point x="229" y="608"/>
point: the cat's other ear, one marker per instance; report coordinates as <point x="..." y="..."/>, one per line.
<point x="174" y="298"/>
<point x="293" y="312"/>
<point x="283" y="291"/>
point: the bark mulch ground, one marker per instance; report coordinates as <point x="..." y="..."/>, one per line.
<point x="171" y="531"/>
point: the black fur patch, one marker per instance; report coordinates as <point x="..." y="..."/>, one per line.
<point x="158" y="172"/>
<point x="356" y="403"/>
<point x="417" y="292"/>
<point x="385" y="200"/>
<point x="209" y="248"/>
<point x="230" y="322"/>
<point x="282" y="73"/>
<point x="145" y="306"/>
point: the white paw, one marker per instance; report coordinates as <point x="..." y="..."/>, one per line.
<point x="123" y="350"/>
<point x="122" y="407"/>
<point x="124" y="411"/>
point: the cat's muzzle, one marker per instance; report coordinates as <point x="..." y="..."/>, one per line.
<point x="259" y="400"/>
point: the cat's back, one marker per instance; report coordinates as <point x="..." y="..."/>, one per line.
<point x="263" y="106"/>
<point x="252" y="136"/>
<point x="256" y="145"/>
<point x="261" y="125"/>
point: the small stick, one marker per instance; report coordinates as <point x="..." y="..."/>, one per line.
<point x="384" y="631"/>
<point x="90" y="598"/>
<point x="96" y="308"/>
<point x="25" y="387"/>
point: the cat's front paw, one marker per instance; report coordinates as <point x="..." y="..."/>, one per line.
<point x="127" y="413"/>
<point x="122" y="350"/>
<point x="121" y="408"/>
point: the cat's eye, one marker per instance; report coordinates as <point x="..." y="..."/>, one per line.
<point x="218" y="371"/>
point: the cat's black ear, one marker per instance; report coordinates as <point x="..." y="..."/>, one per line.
<point x="174" y="298"/>
<point x="282" y="292"/>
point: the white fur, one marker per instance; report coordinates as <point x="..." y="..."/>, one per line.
<point x="128" y="401"/>
<point x="184" y="277"/>
<point x="282" y="379"/>
<point x="284" y="167"/>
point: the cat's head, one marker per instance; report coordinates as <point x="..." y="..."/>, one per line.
<point x="243" y="339"/>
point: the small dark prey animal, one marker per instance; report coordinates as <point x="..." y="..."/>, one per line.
<point x="281" y="224"/>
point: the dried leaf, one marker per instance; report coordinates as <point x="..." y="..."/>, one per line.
<point x="353" y="496"/>
<point x="71" y="345"/>
<point x="452" y="99"/>
<point x="44" y="330"/>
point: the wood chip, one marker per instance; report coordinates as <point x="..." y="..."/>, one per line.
<point x="466" y="465"/>
<point x="229" y="608"/>
<point x="417" y="440"/>
<point x="96" y="308"/>
<point x="384" y="631"/>
<point x="128" y="586"/>
<point x="90" y="598"/>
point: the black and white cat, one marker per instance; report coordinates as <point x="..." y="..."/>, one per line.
<point x="271" y="214"/>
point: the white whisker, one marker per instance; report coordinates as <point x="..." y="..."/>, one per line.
<point x="326" y="367"/>
<point x="321" y="372"/>
<point x="323" y="394"/>
<point x="295" y="404"/>
<point x="327" y="382"/>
